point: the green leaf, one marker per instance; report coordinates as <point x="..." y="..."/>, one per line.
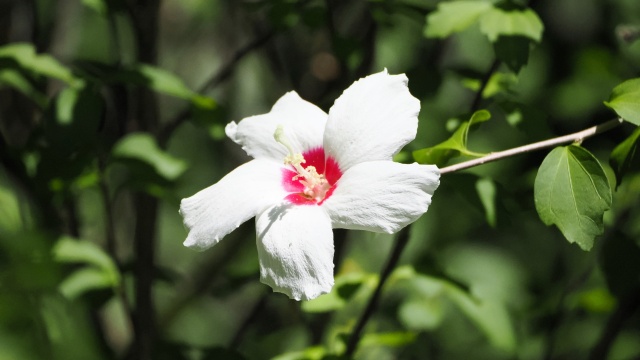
<point x="625" y="100"/>
<point x="513" y="51"/>
<point x="499" y="82"/>
<point x="142" y="147"/>
<point x="456" y="16"/>
<point x="487" y="193"/>
<point x="68" y="250"/>
<point x="453" y="17"/>
<point x="392" y="339"/>
<point x="310" y="353"/>
<point x="163" y="82"/>
<point x="99" y="6"/>
<point x="101" y="272"/>
<point x="571" y="191"/>
<point x="16" y="80"/>
<point x="496" y="22"/>
<point x="455" y="146"/>
<point x="24" y="55"/>
<point x="345" y="287"/>
<point x="623" y="157"/>
<point x="73" y="121"/>
<point x="491" y="317"/>
<point x="426" y="309"/>
<point x="422" y="314"/>
<point x="84" y="280"/>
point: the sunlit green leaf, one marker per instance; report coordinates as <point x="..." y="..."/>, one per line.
<point x="100" y="273"/>
<point x="25" y="56"/>
<point x="572" y="191"/>
<point x="14" y="214"/>
<point x="597" y="300"/>
<point x="392" y="339"/>
<point x="422" y="314"/>
<point x="624" y="156"/>
<point x="499" y="83"/>
<point x="84" y="280"/>
<point x="455" y="146"/>
<point x="143" y="147"/>
<point x="69" y="250"/>
<point x="625" y="100"/>
<point x="486" y="189"/>
<point x="311" y="353"/>
<point x="496" y="22"/>
<point x="99" y="6"/>
<point x="455" y="16"/>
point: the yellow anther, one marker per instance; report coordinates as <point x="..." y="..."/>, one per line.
<point x="316" y="185"/>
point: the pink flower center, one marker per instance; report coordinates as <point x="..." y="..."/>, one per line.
<point x="310" y="179"/>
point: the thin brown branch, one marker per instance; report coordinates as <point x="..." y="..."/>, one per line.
<point x="253" y="315"/>
<point x="220" y="76"/>
<point x="475" y="105"/>
<point x="626" y="308"/>
<point x="145" y="20"/>
<point x="203" y="276"/>
<point x="575" y="137"/>
<point x="394" y="257"/>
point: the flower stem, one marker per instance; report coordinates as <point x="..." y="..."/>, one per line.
<point x="354" y="339"/>
<point x="575" y="137"/>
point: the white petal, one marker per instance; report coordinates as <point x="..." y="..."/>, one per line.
<point x="372" y="120"/>
<point x="382" y="196"/>
<point x="303" y="124"/>
<point x="219" y="209"/>
<point x="295" y="246"/>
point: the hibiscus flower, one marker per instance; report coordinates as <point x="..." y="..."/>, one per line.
<point x="312" y="172"/>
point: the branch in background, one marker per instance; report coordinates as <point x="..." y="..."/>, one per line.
<point x="203" y="276"/>
<point x="404" y="235"/>
<point x="144" y="17"/>
<point x="575" y="137"/>
<point x="394" y="257"/>
<point x="220" y="76"/>
<point x="626" y="308"/>
<point x="475" y="105"/>
<point x="253" y="315"/>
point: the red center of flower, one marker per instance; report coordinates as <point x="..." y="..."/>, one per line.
<point x="315" y="183"/>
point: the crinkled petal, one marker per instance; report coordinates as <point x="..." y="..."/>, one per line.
<point x="382" y="196"/>
<point x="219" y="209"/>
<point x="372" y="120"/>
<point x="295" y="247"/>
<point x="303" y="124"/>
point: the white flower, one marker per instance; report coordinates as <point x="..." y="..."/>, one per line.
<point x="313" y="172"/>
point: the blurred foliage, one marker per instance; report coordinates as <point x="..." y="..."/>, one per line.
<point x="111" y="111"/>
